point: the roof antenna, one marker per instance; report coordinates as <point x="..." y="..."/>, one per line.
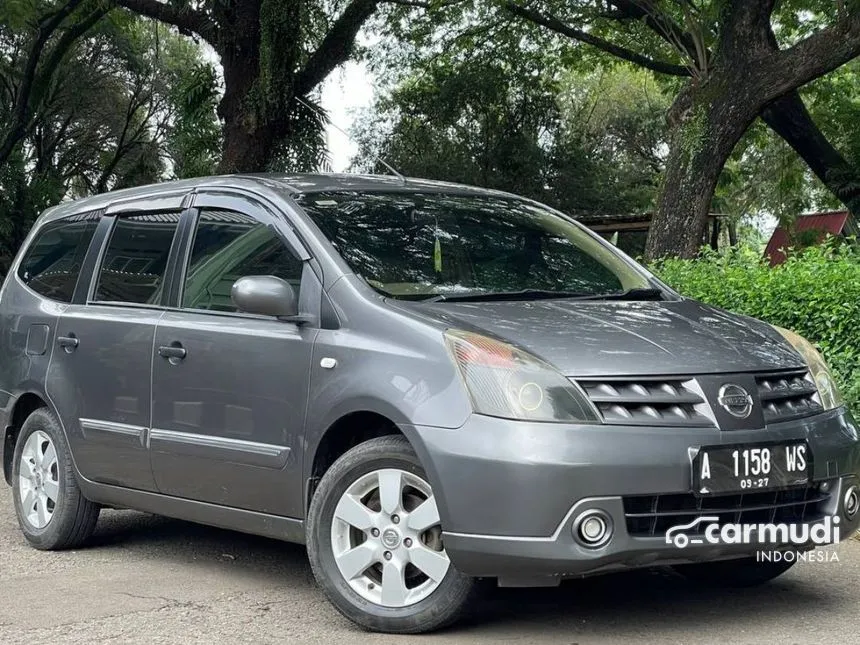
<point x="346" y="134"/>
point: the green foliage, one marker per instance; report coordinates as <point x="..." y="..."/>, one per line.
<point x="815" y="293"/>
<point x="515" y="119"/>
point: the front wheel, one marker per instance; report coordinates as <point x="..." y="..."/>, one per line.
<point x="375" y="542"/>
<point x="744" y="572"/>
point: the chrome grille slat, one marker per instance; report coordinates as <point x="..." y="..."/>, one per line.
<point x="643" y="401"/>
<point x="787" y="395"/>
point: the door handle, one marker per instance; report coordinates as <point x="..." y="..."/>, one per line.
<point x="173" y="353"/>
<point x="68" y="343"/>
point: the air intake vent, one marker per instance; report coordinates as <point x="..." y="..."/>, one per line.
<point x="653" y="515"/>
<point x="787" y="395"/>
<point x="648" y="402"/>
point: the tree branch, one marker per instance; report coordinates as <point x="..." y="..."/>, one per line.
<point x="186" y="19"/>
<point x="18" y="119"/>
<point x="819" y="54"/>
<point x="661" y="24"/>
<point x="789" y="118"/>
<point x="335" y="48"/>
<point x="554" y="24"/>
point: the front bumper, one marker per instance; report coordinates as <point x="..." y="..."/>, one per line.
<point x="509" y="492"/>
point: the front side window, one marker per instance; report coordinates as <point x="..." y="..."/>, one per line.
<point x="228" y="246"/>
<point x="53" y="262"/>
<point x="135" y="260"/>
<point x="418" y="246"/>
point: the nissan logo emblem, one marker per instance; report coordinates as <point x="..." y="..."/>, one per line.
<point x="735" y="400"/>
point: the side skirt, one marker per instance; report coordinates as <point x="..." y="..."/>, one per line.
<point x="272" y="526"/>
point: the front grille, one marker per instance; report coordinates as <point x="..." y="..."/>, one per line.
<point x="653" y="515"/>
<point x="787" y="395"/>
<point x="648" y="401"/>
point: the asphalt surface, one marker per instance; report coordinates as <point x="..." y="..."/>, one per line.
<point x="147" y="580"/>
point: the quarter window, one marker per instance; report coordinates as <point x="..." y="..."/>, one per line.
<point x="228" y="246"/>
<point x="53" y="262"/>
<point x="136" y="258"/>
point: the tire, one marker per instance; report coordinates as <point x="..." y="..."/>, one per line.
<point x="745" y="572"/>
<point x="365" y="599"/>
<point x="49" y="524"/>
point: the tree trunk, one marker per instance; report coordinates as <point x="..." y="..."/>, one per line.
<point x="244" y="149"/>
<point x="702" y="135"/>
<point x="248" y="136"/>
<point x="789" y="118"/>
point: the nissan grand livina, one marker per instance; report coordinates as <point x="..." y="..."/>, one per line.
<point x="425" y="383"/>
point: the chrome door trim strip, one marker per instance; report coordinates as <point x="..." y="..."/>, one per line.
<point x="240" y="451"/>
<point x="112" y="427"/>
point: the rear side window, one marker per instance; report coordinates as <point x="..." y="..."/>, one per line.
<point x="228" y="246"/>
<point x="135" y="260"/>
<point x="53" y="262"/>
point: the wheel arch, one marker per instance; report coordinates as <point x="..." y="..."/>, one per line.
<point x="346" y="427"/>
<point x="25" y="404"/>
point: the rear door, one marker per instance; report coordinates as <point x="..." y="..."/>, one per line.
<point x="99" y="378"/>
<point x="230" y="389"/>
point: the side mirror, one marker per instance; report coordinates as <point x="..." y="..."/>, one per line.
<point x="266" y="295"/>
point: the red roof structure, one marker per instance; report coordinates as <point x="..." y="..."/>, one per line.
<point x="831" y="223"/>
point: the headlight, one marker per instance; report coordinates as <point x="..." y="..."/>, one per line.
<point x="827" y="390"/>
<point x="504" y="381"/>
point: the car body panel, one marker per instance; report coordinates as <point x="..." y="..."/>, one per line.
<point x="614" y="338"/>
<point x="101" y="391"/>
<point x="229" y="435"/>
<point x="214" y="421"/>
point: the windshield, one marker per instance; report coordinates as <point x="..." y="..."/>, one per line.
<point x="419" y="246"/>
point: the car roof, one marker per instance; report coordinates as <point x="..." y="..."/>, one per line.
<point x="293" y="184"/>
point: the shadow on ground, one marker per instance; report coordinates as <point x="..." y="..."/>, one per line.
<point x="641" y="600"/>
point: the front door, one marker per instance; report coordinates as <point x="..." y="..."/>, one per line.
<point x="100" y="371"/>
<point x="230" y="389"/>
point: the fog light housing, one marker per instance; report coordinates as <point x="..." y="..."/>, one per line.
<point x="851" y="502"/>
<point x="592" y="528"/>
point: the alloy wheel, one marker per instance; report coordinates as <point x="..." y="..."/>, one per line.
<point x="39" y="480"/>
<point x="387" y="539"/>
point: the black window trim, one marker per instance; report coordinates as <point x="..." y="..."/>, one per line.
<point x="235" y="202"/>
<point x="169" y="202"/>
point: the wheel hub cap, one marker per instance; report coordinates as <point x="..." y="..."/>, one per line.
<point x="391" y="538"/>
<point x="386" y="538"/>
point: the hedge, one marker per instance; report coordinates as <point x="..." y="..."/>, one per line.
<point x="815" y="293"/>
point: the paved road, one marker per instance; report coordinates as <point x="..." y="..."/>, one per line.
<point x="154" y="580"/>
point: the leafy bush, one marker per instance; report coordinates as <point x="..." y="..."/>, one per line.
<point x="815" y="293"/>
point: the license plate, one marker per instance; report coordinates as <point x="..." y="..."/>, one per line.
<point x="749" y="468"/>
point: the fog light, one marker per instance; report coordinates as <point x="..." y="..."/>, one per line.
<point x="851" y="502"/>
<point x="592" y="528"/>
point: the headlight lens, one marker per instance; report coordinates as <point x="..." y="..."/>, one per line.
<point x="827" y="390"/>
<point x="504" y="381"/>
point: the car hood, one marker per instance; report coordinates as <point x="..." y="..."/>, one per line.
<point x="620" y="338"/>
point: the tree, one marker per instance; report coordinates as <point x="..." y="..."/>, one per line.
<point x="128" y="103"/>
<point x="57" y="27"/>
<point x="271" y="53"/>
<point x="737" y="68"/>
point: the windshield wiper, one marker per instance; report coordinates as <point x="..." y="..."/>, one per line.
<point x="545" y="294"/>
<point x="524" y="294"/>
<point x="642" y="293"/>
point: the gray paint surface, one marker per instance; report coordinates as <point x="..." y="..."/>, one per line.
<point x="228" y="434"/>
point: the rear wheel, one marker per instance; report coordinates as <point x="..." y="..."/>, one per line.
<point x="375" y="542"/>
<point x="52" y="512"/>
<point x="745" y="572"/>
